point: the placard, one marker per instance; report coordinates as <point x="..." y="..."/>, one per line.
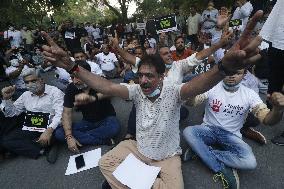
<point x="166" y="24"/>
<point x="36" y="121"/>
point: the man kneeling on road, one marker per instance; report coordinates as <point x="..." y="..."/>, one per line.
<point x="99" y="124"/>
<point x="42" y="105"/>
<point x="227" y="105"/>
<point x="157" y="105"/>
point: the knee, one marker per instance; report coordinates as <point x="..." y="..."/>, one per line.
<point x="59" y="133"/>
<point x="251" y="162"/>
<point x="188" y="133"/>
<point x="115" y="125"/>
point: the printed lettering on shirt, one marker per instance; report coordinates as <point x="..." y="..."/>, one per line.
<point x="233" y="110"/>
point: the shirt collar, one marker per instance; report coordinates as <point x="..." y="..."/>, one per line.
<point x="44" y="93"/>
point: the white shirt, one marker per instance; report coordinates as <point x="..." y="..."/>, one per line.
<point x="96" y="33"/>
<point x="95" y="68"/>
<point x="17" y="37"/>
<point x="157" y="123"/>
<point x="273" y="28"/>
<point x="192" y="24"/>
<point x="106" y="61"/>
<point x="51" y="102"/>
<point x="229" y="110"/>
<point x="243" y="13"/>
<point x="250" y="81"/>
<point x="19" y="81"/>
<point x="179" y="68"/>
<point x="62" y="74"/>
<point x="152" y="42"/>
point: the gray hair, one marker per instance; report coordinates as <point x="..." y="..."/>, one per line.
<point x="31" y="71"/>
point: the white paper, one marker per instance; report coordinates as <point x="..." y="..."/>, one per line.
<point x="91" y="159"/>
<point x="136" y="174"/>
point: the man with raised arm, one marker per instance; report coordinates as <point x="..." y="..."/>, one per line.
<point x="157" y="106"/>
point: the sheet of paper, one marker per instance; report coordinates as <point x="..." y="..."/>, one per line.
<point x="136" y="174"/>
<point x="91" y="159"/>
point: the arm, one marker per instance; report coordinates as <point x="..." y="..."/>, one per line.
<point x="245" y="11"/>
<point x="67" y="121"/>
<point x="58" y="108"/>
<point x="275" y="115"/>
<point x="199" y="99"/>
<point x="129" y="58"/>
<point x="9" y="108"/>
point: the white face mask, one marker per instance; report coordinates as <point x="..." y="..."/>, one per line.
<point x="168" y="66"/>
<point x="14" y="62"/>
<point x="34" y="87"/>
<point x="11" y="28"/>
<point x="231" y="87"/>
<point x="81" y="86"/>
<point x="156" y="92"/>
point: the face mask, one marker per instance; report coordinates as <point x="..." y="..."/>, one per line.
<point x="156" y="92"/>
<point x="231" y="87"/>
<point x="11" y="28"/>
<point x="34" y="87"/>
<point x="168" y="66"/>
<point x="81" y="86"/>
<point x="106" y="53"/>
<point x="14" y="62"/>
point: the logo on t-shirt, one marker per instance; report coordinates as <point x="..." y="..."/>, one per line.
<point x="216" y="105"/>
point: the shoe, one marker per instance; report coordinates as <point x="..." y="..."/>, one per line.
<point x="188" y="155"/>
<point x="229" y="178"/>
<point x="278" y="140"/>
<point x="105" y="185"/>
<point x="52" y="154"/>
<point x="252" y="134"/>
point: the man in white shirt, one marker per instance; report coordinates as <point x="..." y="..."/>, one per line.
<point x="43" y="106"/>
<point x="108" y="62"/>
<point x="227" y="105"/>
<point x="192" y="26"/>
<point x="243" y="12"/>
<point x="157" y="105"/>
<point x="209" y="19"/>
<point x="14" y="36"/>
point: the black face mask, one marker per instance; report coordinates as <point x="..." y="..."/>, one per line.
<point x="106" y="53"/>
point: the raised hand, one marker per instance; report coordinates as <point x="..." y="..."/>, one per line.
<point x="56" y="55"/>
<point x="245" y="51"/>
<point x="8" y="92"/>
<point x="223" y="17"/>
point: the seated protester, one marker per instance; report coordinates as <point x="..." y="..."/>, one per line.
<point x="15" y="73"/>
<point x="42" y="105"/>
<point x="108" y="62"/>
<point x="95" y="68"/>
<point x="174" y="73"/>
<point x="157" y="104"/>
<point x="227" y="105"/>
<point x="181" y="52"/>
<point x="99" y="124"/>
<point x="37" y="57"/>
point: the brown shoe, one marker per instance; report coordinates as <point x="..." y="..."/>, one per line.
<point x="252" y="134"/>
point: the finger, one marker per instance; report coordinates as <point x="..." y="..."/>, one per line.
<point x="49" y="39"/>
<point x="46" y="48"/>
<point x="115" y="34"/>
<point x="47" y="54"/>
<point x="253" y="45"/>
<point x="50" y="59"/>
<point x="79" y="144"/>
<point x="250" y="27"/>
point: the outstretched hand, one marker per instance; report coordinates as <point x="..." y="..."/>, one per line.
<point x="56" y="55"/>
<point x="245" y="51"/>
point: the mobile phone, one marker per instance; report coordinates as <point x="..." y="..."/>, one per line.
<point x="80" y="162"/>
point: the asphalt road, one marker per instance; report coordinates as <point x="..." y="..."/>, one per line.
<point x="24" y="173"/>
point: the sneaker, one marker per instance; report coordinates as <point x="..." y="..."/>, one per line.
<point x="252" y="134"/>
<point x="52" y="154"/>
<point x="105" y="185"/>
<point x="229" y="178"/>
<point x="189" y="154"/>
<point x="278" y="140"/>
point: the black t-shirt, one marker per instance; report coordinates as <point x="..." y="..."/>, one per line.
<point x="72" y="38"/>
<point x="92" y="112"/>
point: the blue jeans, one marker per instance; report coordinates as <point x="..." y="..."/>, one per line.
<point x="92" y="133"/>
<point x="234" y="152"/>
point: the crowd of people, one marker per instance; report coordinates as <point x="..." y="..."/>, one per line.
<point x="207" y="60"/>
